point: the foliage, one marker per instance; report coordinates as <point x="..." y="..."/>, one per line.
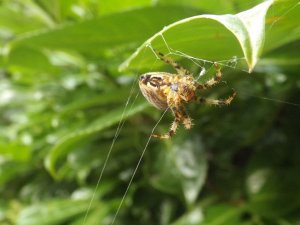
<point x="64" y="104"/>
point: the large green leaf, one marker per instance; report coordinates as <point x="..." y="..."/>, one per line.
<point x="219" y="37"/>
<point x="66" y="143"/>
<point x="96" y="35"/>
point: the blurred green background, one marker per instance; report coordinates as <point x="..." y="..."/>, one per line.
<point x="62" y="98"/>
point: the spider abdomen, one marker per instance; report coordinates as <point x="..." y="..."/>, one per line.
<point x="153" y="86"/>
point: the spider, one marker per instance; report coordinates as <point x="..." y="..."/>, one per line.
<point x="172" y="91"/>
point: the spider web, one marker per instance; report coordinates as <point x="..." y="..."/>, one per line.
<point x="234" y="63"/>
<point x="205" y="67"/>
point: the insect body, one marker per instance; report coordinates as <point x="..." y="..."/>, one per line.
<point x="172" y="91"/>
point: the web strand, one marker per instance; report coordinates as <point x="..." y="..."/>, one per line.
<point x="270" y="99"/>
<point x="229" y="63"/>
<point x="136" y="168"/>
<point x="118" y="130"/>
<point x="116" y="135"/>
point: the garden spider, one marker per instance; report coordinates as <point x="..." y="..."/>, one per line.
<point x="171" y="91"/>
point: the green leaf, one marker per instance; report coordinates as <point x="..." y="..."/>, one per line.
<point x="217" y="214"/>
<point x="94" y="36"/>
<point x="60" y="211"/>
<point x="282" y="24"/>
<point x="66" y="143"/>
<point x="210" y="37"/>
<point x="215" y="6"/>
<point x="51" y="8"/>
<point x="29" y="60"/>
<point x="95" y="217"/>
<point x="182" y="169"/>
<point x="270" y="190"/>
<point x="11" y="171"/>
<point x="285" y="58"/>
<point x="111" y="6"/>
<point x="272" y="186"/>
<point x="14" y="151"/>
<point x="16" y="22"/>
<point x="222" y="214"/>
<point x="193" y="217"/>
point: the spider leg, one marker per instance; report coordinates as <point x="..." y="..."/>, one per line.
<point x="180" y="116"/>
<point x="219" y="102"/>
<point x="216" y="79"/>
<point x="171" y="132"/>
<point x="185" y="119"/>
<point x="180" y="70"/>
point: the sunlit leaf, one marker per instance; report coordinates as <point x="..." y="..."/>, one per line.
<point x="60" y="211"/>
<point x="14" y="151"/>
<point x="216" y="37"/>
